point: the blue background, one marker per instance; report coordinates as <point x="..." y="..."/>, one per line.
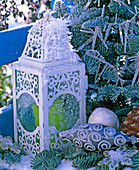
<point x="12" y="43"/>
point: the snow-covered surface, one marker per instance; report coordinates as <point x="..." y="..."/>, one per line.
<point x="18" y="27"/>
<point x="25" y="164"/>
<point x="65" y="165"/>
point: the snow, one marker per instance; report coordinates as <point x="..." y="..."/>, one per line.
<point x="14" y="27"/>
<point x="65" y="165"/>
<point x="23" y="8"/>
<point x="12" y="22"/>
<point x="25" y="164"/>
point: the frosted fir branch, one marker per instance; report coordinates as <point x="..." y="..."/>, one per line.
<point x="98" y="3"/>
<point x="93" y="96"/>
<point x="100" y="59"/>
<point x="86" y="43"/>
<point x="103" y="10"/>
<point x="87" y="4"/>
<point x="103" y="70"/>
<point x="129" y="2"/>
<point x="119" y="2"/>
<point x="107" y="31"/>
<point x="116" y="18"/>
<point x="85" y="31"/>
<point x="105" y="26"/>
<point x="109" y="91"/>
<point x="126" y="35"/>
<point x="93" y="38"/>
<point x="138" y="81"/>
<point x="133" y="18"/>
<point x="136" y="9"/>
<point x="105" y="92"/>
<point x="97" y="71"/>
<point x="96" y="33"/>
<point x="125" y="5"/>
<point x="101" y="37"/>
<point x="135" y="59"/>
<point x="121" y="34"/>
<point x="135" y="77"/>
<point x="93" y="86"/>
<point x="125" y="26"/>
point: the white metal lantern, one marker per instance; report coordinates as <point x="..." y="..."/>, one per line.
<point x="48" y="87"/>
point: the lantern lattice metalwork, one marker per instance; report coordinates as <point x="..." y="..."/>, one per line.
<point x="49" y="85"/>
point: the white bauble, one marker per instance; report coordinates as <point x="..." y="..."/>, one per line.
<point x="105" y="117"/>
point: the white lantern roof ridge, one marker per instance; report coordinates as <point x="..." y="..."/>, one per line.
<point x="48" y="43"/>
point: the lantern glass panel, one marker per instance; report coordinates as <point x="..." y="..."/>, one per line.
<point x="28" y="112"/>
<point x="64" y="112"/>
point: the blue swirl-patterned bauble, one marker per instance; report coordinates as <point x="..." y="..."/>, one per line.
<point x="96" y="137"/>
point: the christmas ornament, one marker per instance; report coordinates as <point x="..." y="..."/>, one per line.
<point x="96" y="137"/>
<point x="121" y="155"/>
<point x="105" y="117"/>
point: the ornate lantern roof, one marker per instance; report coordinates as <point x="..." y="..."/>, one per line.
<point x="48" y="43"/>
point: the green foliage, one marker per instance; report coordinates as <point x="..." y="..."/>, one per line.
<point x="1" y="153"/>
<point x="123" y="112"/>
<point x="11" y="157"/>
<point x="106" y="38"/>
<point x="112" y="92"/>
<point x="60" y="9"/>
<point x="9" y="151"/>
<point x="121" y="10"/>
<point x="5" y="82"/>
<point x="46" y="160"/>
<point x="71" y="152"/>
<point x="103" y="167"/>
<point x="133" y="43"/>
<point x="87" y="161"/>
<point x="80" y="159"/>
<point x="51" y="159"/>
<point x="119" y="99"/>
<point x="135" y="160"/>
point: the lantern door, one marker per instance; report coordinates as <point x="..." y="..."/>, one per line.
<point x="28" y="123"/>
<point x="65" y="100"/>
